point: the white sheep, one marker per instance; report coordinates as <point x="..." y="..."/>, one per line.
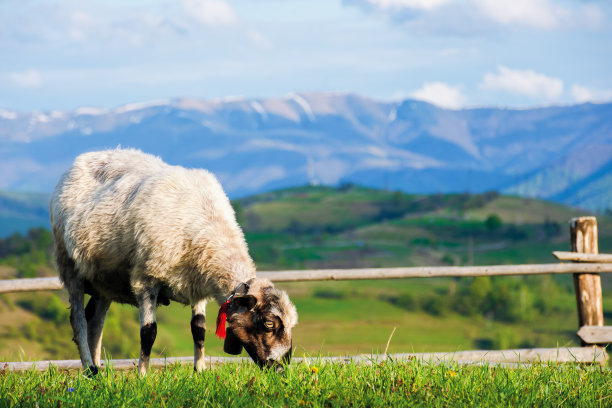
<point x="130" y="228"/>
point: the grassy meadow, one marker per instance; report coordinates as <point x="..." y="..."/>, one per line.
<point x="412" y="383"/>
<point x="348" y="227"/>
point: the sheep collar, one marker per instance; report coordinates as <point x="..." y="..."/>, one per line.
<point x="222" y="316"/>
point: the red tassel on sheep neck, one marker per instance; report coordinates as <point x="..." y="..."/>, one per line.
<point x="221" y="319"/>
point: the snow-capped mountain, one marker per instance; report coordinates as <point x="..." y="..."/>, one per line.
<point x="559" y="153"/>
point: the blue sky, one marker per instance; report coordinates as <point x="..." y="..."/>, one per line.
<point x="65" y="54"/>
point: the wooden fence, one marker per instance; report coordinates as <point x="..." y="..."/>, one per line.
<point x="586" y="266"/>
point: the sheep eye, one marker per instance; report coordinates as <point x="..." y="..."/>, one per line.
<point x="269" y="324"/>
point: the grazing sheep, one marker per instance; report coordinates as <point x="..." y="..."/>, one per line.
<point x="130" y="228"/>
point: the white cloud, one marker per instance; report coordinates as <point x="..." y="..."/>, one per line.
<point x="541" y="14"/>
<point x="411" y="4"/>
<point x="440" y="94"/>
<point x="27" y="79"/>
<point x="79" y="23"/>
<point x="210" y="12"/>
<point x="457" y="52"/>
<point x="462" y="15"/>
<point x="92" y="25"/>
<point x="532" y="13"/>
<point x="259" y="40"/>
<point x="582" y="94"/>
<point x="524" y="82"/>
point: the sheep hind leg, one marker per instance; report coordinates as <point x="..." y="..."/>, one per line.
<point x="198" y="331"/>
<point x="76" y="291"/>
<point x="147" y="306"/>
<point x="95" y="313"/>
<point x="78" y="320"/>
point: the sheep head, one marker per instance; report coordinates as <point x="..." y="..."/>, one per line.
<point x="261" y="321"/>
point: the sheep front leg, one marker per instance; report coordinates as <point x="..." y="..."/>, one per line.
<point x="198" y="331"/>
<point x="95" y="313"/>
<point x="147" y="306"/>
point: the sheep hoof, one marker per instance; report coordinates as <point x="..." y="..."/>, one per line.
<point x="91" y="371"/>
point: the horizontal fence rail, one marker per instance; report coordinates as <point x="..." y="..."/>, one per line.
<point x="432" y="272"/>
<point x="582" y="257"/>
<point x="505" y="358"/>
<point x="31" y="284"/>
<point x="596" y="334"/>
<point x="25" y="285"/>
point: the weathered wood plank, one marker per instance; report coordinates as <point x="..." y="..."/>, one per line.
<point x="518" y="357"/>
<point x="580" y="257"/>
<point x="22" y="285"/>
<point x="583" y="239"/>
<point x="32" y="284"/>
<point x="596" y="334"/>
<point x="432" y="272"/>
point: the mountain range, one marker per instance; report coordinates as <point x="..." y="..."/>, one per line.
<point x="559" y="153"/>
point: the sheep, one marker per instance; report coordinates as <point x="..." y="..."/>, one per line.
<point x="132" y="229"/>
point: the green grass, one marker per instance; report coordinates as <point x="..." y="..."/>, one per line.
<point x="385" y="384"/>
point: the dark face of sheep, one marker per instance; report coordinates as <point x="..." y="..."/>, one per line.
<point x="261" y="323"/>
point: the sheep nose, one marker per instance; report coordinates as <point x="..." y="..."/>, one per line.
<point x="274" y="365"/>
<point x="279" y="365"/>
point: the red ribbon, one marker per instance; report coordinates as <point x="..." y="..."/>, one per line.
<point x="221" y="318"/>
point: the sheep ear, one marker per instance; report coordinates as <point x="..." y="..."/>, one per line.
<point x="232" y="344"/>
<point x="248" y="301"/>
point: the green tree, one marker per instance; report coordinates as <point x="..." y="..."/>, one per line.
<point x="474" y="299"/>
<point x="493" y="222"/>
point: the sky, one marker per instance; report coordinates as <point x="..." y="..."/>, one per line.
<point x="65" y="54"/>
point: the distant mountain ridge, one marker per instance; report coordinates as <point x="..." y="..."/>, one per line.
<point x="559" y="153"/>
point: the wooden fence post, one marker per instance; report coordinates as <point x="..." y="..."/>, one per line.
<point x="583" y="238"/>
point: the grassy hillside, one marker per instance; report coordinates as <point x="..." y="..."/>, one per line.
<point x="353" y="226"/>
<point x="323" y="227"/>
